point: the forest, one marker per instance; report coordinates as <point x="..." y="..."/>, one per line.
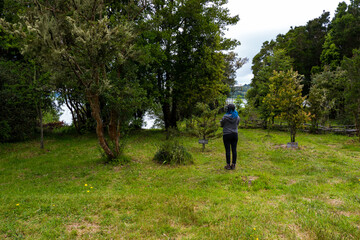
<point x="324" y="54"/>
<point x="110" y="62"/>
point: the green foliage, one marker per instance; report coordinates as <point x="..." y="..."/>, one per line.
<point x="204" y="125"/>
<point x="311" y="193"/>
<point x="172" y="152"/>
<point x="352" y="95"/>
<point x="186" y="40"/>
<point x="304" y="45"/>
<point x="265" y="63"/>
<point x="326" y="96"/>
<point x="232" y="64"/>
<point x="330" y="55"/>
<point x="319" y="106"/>
<point x="285" y="99"/>
<point x="20" y="97"/>
<point x="239" y="104"/>
<point x="345" y="28"/>
<point x="84" y="50"/>
<point x="249" y="113"/>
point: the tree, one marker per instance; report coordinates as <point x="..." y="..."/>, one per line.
<point x="352" y="66"/>
<point x="345" y="28"/>
<point x="18" y="111"/>
<point x="81" y="39"/>
<point x="330" y="56"/>
<point x="188" y="67"/>
<point x="285" y="96"/>
<point x="264" y="64"/>
<point x="232" y="64"/>
<point x="319" y="106"/>
<point x="304" y="45"/>
<point x="205" y="124"/>
<point x="328" y="91"/>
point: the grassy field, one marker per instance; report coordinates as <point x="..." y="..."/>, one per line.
<point x="67" y="192"/>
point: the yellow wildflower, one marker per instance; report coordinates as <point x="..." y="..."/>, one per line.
<point x="85" y="185"/>
<point x="17" y="204"/>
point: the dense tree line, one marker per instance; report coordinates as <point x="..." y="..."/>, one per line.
<point x="111" y="61"/>
<point x="325" y="53"/>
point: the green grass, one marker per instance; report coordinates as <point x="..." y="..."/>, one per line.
<point x="275" y="193"/>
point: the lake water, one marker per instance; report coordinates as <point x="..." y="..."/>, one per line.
<point x="148" y="120"/>
<point x="232" y="100"/>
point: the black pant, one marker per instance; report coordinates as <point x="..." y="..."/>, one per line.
<point x="230" y="140"/>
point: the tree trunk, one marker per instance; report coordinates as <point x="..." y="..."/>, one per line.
<point x="173" y="116"/>
<point x="95" y="111"/>
<point x="292" y="133"/>
<point x="357" y="122"/>
<point x="166" y="113"/>
<point x="114" y="131"/>
<point x="41" y="128"/>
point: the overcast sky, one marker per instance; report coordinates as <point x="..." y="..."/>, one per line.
<point x="263" y="20"/>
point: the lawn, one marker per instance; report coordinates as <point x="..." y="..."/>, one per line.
<point x="66" y="191"/>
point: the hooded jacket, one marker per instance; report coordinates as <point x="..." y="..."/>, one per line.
<point x="229" y="124"/>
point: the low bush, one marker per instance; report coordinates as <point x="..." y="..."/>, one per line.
<point x="172" y="152"/>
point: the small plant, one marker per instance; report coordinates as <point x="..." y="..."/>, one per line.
<point x="120" y="157"/>
<point x="172" y="152"/>
<point x="205" y="125"/>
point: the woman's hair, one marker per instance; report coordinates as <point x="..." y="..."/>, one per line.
<point x="230" y="108"/>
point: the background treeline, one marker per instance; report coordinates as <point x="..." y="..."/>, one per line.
<point x="110" y="62"/>
<point x="326" y="53"/>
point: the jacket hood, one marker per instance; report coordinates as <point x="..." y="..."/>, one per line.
<point x="229" y="118"/>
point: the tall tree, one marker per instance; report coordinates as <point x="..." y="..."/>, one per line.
<point x="81" y="38"/>
<point x="332" y="84"/>
<point x="304" y="45"/>
<point x="264" y="65"/>
<point x="352" y="66"/>
<point x="345" y="28"/>
<point x="285" y="97"/>
<point x="187" y="37"/>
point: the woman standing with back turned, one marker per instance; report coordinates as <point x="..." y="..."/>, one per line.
<point x="229" y="123"/>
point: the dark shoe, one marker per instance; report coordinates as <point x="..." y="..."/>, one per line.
<point x="228" y="167"/>
<point x="232" y="166"/>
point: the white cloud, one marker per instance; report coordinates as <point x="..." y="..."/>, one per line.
<point x="263" y="20"/>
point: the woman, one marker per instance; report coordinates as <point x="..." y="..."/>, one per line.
<point x="229" y="123"/>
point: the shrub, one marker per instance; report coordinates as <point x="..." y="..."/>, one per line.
<point x="120" y="158"/>
<point x="171" y="152"/>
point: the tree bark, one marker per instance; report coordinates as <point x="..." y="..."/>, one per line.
<point x="95" y="111"/>
<point x="292" y="133"/>
<point x="114" y="131"/>
<point x="41" y="128"/>
<point x="173" y="116"/>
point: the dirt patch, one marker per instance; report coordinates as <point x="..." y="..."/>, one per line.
<point x="280" y="146"/>
<point x="300" y="233"/>
<point x="346" y="214"/>
<point x="334" y="202"/>
<point x="249" y="179"/>
<point x="352" y="141"/>
<point x="83" y="228"/>
<point x="275" y="201"/>
<point x="284" y="146"/>
<point x="332" y="145"/>
<point x="291" y="182"/>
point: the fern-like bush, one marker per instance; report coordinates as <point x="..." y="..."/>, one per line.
<point x="171" y="152"/>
